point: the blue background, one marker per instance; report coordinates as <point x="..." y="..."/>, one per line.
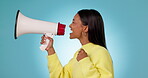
<point x="126" y="25"/>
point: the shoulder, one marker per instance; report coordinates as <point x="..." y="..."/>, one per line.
<point x="99" y="50"/>
<point x="94" y="49"/>
<point x="99" y="54"/>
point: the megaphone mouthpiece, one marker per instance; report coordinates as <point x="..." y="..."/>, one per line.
<point x="61" y="29"/>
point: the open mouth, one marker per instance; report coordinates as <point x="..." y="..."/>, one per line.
<point x="71" y="31"/>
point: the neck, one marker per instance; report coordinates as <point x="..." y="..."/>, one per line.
<point x="84" y="41"/>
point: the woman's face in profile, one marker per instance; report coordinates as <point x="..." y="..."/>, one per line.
<point x="76" y="27"/>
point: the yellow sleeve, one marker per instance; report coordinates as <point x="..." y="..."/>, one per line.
<point x="55" y="68"/>
<point x="97" y="65"/>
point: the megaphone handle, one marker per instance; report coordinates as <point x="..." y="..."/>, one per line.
<point x="44" y="46"/>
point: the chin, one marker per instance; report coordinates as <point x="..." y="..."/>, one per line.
<point x="72" y="37"/>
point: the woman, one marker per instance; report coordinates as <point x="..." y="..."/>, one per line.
<point x="92" y="60"/>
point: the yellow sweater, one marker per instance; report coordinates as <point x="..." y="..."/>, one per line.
<point x="98" y="64"/>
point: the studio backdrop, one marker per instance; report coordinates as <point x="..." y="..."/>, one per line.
<point x="126" y="26"/>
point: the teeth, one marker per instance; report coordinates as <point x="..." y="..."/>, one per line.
<point x="71" y="31"/>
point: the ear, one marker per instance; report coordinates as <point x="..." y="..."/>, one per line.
<point x="85" y="29"/>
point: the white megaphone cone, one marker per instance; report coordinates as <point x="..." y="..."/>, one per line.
<point x="25" y="25"/>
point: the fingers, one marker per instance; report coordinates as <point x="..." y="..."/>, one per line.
<point x="82" y="54"/>
<point x="43" y="39"/>
<point x="81" y="51"/>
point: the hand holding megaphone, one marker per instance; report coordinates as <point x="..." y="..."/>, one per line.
<point x="47" y="41"/>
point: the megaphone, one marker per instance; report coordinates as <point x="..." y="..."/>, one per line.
<point x="26" y="25"/>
